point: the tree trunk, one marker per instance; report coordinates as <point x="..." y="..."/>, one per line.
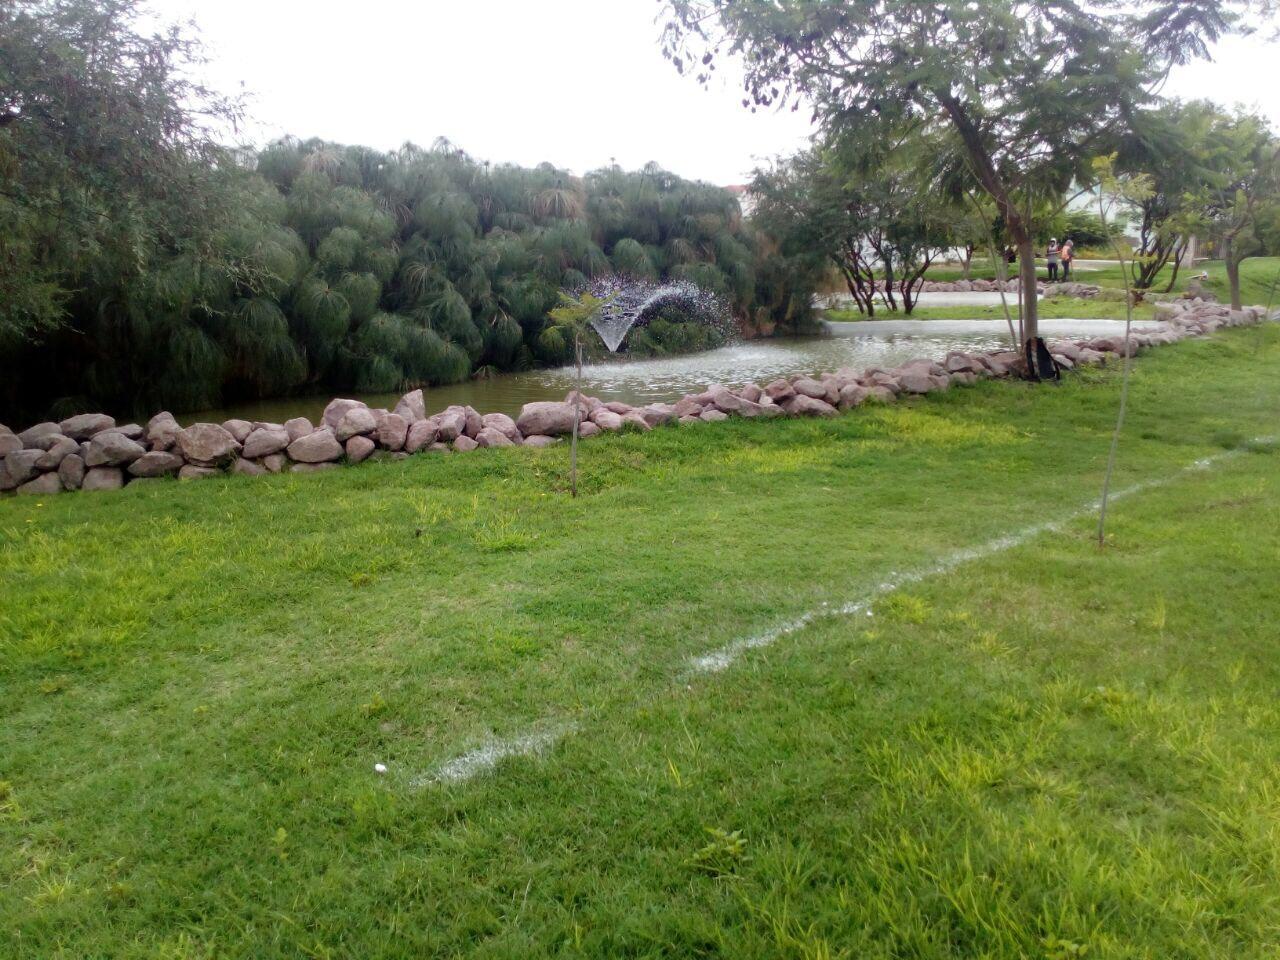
<point x="968" y="260"/>
<point x="1233" y="270"/>
<point x="1030" y="302"/>
<point x="984" y="170"/>
<point x="887" y="263"/>
<point x="1178" y="253"/>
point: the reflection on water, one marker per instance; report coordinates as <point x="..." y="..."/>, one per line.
<point x="667" y="378"/>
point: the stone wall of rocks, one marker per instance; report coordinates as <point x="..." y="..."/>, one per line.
<point x="92" y="452"/>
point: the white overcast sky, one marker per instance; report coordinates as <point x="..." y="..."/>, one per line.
<point x="573" y="82"/>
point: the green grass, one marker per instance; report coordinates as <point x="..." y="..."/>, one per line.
<point x="1071" y="308"/>
<point x="1050" y="752"/>
<point x="1257" y="275"/>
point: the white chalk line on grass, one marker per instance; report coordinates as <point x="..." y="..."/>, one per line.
<point x="489" y="754"/>
<point x="724" y="657"/>
<point x="535" y="741"/>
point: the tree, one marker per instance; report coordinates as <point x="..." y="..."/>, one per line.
<point x="108" y="156"/>
<point x="1172" y="143"/>
<point x="1028" y="91"/>
<point x="570" y="321"/>
<point x="1246" y="184"/>
<point x="1113" y="191"/>
<point x="864" y="206"/>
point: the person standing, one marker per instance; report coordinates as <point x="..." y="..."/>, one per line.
<point x="1067" y="255"/>
<point x="1052" y="257"/>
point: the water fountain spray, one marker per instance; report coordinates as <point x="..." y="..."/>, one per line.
<point x="612" y="306"/>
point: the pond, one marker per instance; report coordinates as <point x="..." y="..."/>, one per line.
<point x="858" y="345"/>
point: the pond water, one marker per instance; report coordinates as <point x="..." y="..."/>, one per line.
<point x="858" y="345"/>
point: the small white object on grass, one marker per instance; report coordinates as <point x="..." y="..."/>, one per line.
<point x="380" y="768"/>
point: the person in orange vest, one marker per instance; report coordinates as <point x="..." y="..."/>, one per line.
<point x="1067" y="253"/>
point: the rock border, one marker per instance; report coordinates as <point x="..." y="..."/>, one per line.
<point x="91" y="452"/>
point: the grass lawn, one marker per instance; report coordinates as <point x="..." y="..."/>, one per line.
<point x="1047" y="751"/>
<point x="1070" y="308"/>
<point x="1258" y="276"/>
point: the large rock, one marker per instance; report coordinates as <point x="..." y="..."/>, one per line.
<point x="393" y="430"/>
<point x="162" y="431"/>
<point x="298" y="427"/>
<point x="803" y="405"/>
<point x="336" y="410"/>
<point x="48" y="441"/>
<point x="493" y="437"/>
<point x="358" y="421"/>
<point x="634" y="418"/>
<point x="779" y="390"/>
<point x="412" y="406"/>
<point x="451" y="423"/>
<point x="193" y="472"/>
<point x="808" y="387"/>
<point x="111" y="449"/>
<point x="44" y="484"/>
<point x="589" y="404"/>
<point x="132" y="431"/>
<point x="689" y="407"/>
<point x="263" y="442"/>
<point x="22" y="465"/>
<point x="608" y="420"/>
<point x="275" y="462"/>
<point x="207" y="444"/>
<point x="475" y="423"/>
<point x="312" y="467"/>
<point x="464" y="444"/>
<point x="157" y="463"/>
<point x="539" y="440"/>
<point x="724" y="399"/>
<point x="247" y="468"/>
<point x="915" y="380"/>
<point x="103" y="478"/>
<point x="658" y="414"/>
<point x="57" y="452"/>
<point x="85" y="425"/>
<point x="359" y="448"/>
<point x="318" y="447"/>
<point x="30" y="435"/>
<point x="547" y="418"/>
<point x="503" y="424"/>
<point x="713" y="415"/>
<point x="240" y="429"/>
<point x="587" y="429"/>
<point x="421" y="433"/>
<point x="9" y="442"/>
<point x="852" y="395"/>
<point x="71" y="471"/>
<point x="957" y="362"/>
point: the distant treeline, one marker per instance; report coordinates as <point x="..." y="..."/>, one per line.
<point x="338" y="268"/>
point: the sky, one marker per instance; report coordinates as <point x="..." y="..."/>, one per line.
<point x="579" y="83"/>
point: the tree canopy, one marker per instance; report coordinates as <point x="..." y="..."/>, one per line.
<point x="1028" y="92"/>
